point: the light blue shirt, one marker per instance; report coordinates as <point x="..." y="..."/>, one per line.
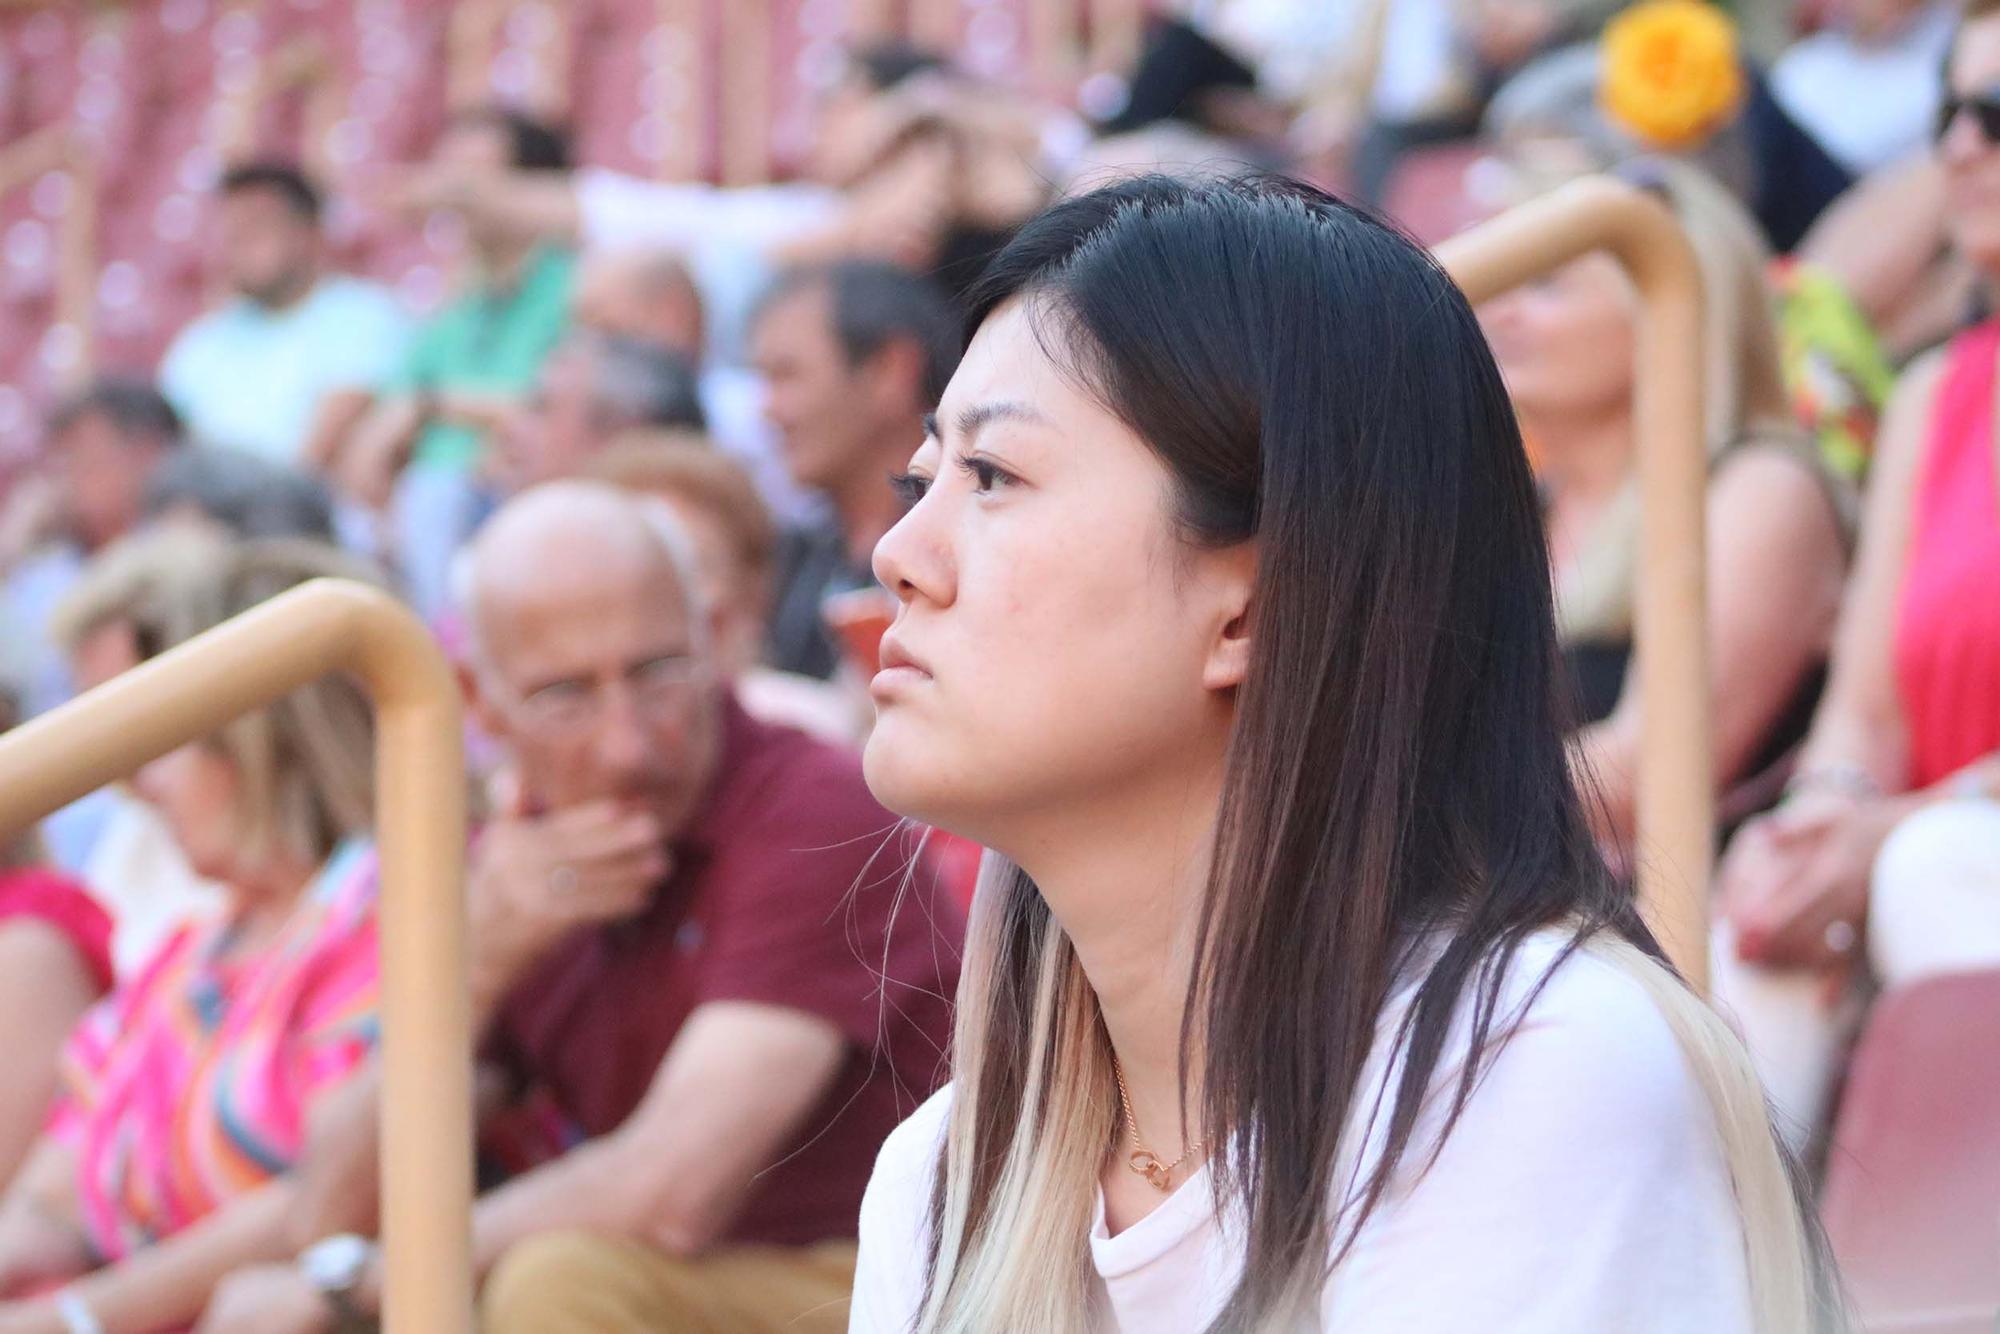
<point x="252" y="379"/>
<point x="40" y="673"/>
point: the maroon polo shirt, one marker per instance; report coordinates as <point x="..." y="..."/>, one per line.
<point x="782" y="894"/>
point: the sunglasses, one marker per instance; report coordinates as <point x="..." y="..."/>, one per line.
<point x="1985" y="109"/>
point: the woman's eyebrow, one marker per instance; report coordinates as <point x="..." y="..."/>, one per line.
<point x="970" y="420"/>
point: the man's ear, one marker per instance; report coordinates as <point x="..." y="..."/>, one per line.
<point x="477" y="706"/>
<point x="721" y="625"/>
<point x="1232" y="574"/>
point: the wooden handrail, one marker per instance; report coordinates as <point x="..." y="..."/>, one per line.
<point x="304" y="63"/>
<point x="59" y="148"/>
<point x="76" y="263"/>
<point x="249" y="662"/>
<point x="937" y="24"/>
<point x="471" y="42"/>
<point x="676" y="118"/>
<point x="745" y="104"/>
<point x="34" y="153"/>
<point x="1676" y="793"/>
<point x="1051" y="43"/>
<point x="1117" y="32"/>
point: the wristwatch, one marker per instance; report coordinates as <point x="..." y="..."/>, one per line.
<point x="336" y="1266"/>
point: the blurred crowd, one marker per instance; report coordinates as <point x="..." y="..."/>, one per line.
<point x="631" y="472"/>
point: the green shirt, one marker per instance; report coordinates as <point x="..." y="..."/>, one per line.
<point x="489" y="340"/>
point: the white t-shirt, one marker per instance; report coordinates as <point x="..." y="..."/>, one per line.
<point x="1583" y="1191"/>
<point x="726" y="235"/>
<point x="1818" y="79"/>
<point x="138" y="872"/>
<point x="1419" y="66"/>
<point x="252" y="379"/>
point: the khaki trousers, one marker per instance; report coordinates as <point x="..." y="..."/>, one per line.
<point x="588" y="1283"/>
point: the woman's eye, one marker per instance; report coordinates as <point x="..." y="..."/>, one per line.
<point x="984" y="475"/>
<point x="909" y="487"/>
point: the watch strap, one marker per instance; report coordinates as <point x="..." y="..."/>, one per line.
<point x="75" y="1314"/>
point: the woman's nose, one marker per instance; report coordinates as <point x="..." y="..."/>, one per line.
<point x="888" y="563"/>
<point x="911" y="560"/>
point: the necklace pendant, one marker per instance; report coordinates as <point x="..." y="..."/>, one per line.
<point x="1157" y="1173"/>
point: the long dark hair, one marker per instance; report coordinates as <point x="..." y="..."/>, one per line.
<point x="1314" y="382"/>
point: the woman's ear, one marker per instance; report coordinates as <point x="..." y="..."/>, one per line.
<point x="1235" y="577"/>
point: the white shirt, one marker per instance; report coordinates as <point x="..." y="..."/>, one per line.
<point x="1584" y="1190"/>
<point x="1290" y="45"/>
<point x="726" y="235"/>
<point x="252" y="379"/>
<point x="138" y="872"/>
<point x="1819" y="82"/>
<point x="1419" y="66"/>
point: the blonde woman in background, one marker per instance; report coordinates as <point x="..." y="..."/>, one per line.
<point x="55" y="959"/>
<point x="63" y="943"/>
<point x="187" y="1090"/>
<point x="1779" y="523"/>
<point x="117" y="616"/>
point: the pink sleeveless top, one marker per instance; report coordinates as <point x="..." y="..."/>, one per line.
<point x="1948" y="619"/>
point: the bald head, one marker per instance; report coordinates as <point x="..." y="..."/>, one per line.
<point x="591" y="659"/>
<point x="557" y="551"/>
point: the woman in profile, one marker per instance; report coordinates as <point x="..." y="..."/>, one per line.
<point x="1296" y="994"/>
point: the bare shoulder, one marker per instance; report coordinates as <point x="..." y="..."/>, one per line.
<point x="1905" y="427"/>
<point x="1916" y="388"/>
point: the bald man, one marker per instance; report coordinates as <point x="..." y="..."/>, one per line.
<point x="679" y="921"/>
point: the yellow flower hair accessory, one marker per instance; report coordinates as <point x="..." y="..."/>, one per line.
<point x="1671" y="72"/>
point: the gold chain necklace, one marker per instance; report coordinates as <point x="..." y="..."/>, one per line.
<point x="1142" y="1159"/>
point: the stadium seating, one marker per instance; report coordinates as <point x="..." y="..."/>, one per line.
<point x="1912" y="1200"/>
<point x="155" y="88"/>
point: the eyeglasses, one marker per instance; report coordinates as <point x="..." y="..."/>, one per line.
<point x="658" y="685"/>
<point x="1985" y="109"/>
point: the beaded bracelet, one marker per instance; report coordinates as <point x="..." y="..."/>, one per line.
<point x="1849" y="780"/>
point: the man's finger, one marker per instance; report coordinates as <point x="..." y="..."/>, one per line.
<point x="588" y="834"/>
<point x="647" y="866"/>
<point x="1799" y="917"/>
<point x="1751" y="880"/>
<point x="591" y="815"/>
<point x="507" y="794"/>
<point x="603" y="897"/>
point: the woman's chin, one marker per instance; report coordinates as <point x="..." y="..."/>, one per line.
<point x="886" y="765"/>
<point x="902" y="773"/>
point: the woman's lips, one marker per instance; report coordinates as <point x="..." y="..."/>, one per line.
<point x="892" y="679"/>
<point x="900" y="669"/>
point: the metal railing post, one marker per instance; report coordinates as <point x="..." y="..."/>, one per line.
<point x="1676" y="792"/>
<point x="187" y="694"/>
